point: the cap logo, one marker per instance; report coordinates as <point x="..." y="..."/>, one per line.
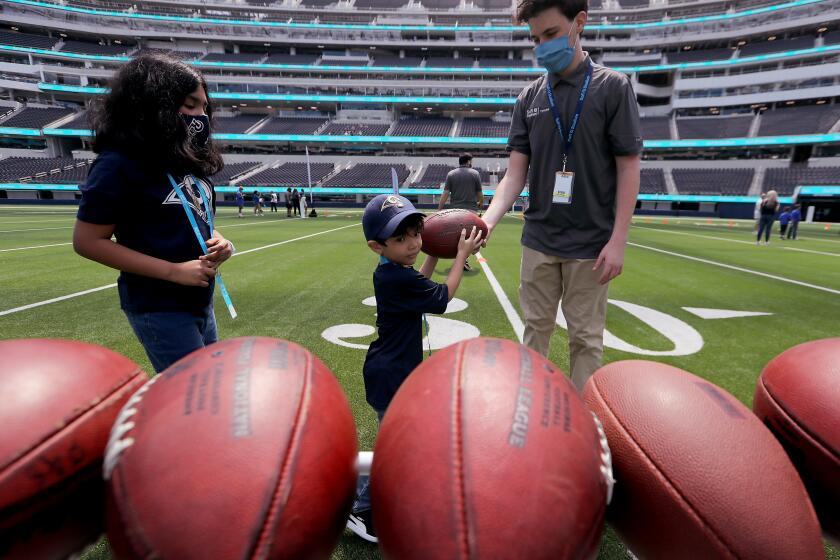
<point x="391" y="201"/>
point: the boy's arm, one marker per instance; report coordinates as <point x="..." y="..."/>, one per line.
<point x="465" y="247"/>
<point x="93" y="241"/>
<point x="429" y="265"/>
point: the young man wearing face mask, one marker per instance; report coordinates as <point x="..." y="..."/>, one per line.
<point x="575" y="135"/>
<point x="149" y="189"/>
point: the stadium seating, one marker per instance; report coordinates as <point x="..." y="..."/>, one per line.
<point x="280" y="58"/>
<point x="370" y="175"/>
<point x="436" y="126"/>
<point x="656" y="128"/>
<point x="292" y="125"/>
<point x="729" y="126"/>
<point x="696" y="55"/>
<point x="785" y="180"/>
<point x="765" y="47"/>
<point x="713" y="181"/>
<point x="484" y="128"/>
<point x="43" y="170"/>
<point x="231" y="170"/>
<point x="32" y="117"/>
<point x="448" y="62"/>
<point x="236" y="125"/>
<point x="95" y="48"/>
<point x="27" y="40"/>
<point x="79" y="122"/>
<point x="233" y="57"/>
<point x="505" y="63"/>
<point x="804" y="119"/>
<point x="433" y="176"/>
<point x="391" y="60"/>
<point x="292" y="174"/>
<point x="356" y="129"/>
<point x="652" y="181"/>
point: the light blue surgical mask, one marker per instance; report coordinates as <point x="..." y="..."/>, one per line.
<point x="556" y="55"/>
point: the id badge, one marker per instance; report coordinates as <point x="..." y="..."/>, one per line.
<point x="563" y="182"/>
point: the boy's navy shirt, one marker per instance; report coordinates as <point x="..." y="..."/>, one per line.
<point x="402" y="296"/>
<point x="150" y="219"/>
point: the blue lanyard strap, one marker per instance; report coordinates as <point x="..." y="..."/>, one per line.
<point x="191" y="217"/>
<point x="584" y="89"/>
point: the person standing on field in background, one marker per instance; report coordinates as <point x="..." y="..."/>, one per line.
<point x="463" y="189"/>
<point x="288" y="198"/>
<point x="784" y="219"/>
<point x="575" y="135"/>
<point x="240" y="200"/>
<point x="273" y="200"/>
<point x="795" y="217"/>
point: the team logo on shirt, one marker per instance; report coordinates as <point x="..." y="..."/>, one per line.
<point x="535" y="111"/>
<point x="390" y="202"/>
<point x="193" y="197"/>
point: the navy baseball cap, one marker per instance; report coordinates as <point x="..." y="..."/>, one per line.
<point x="384" y="214"/>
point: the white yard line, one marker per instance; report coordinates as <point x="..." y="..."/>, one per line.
<point x="738" y="268"/>
<point x="818" y="239"/>
<point x="56" y="300"/>
<point x="33" y="229"/>
<point x="35" y="247"/>
<point x="240" y="253"/>
<point x="777" y="245"/>
<point x="92" y="290"/>
<point x="3" y="223"/>
<point x="507" y="306"/>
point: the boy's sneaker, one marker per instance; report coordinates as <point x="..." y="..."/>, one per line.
<point x="361" y="523"/>
<point x="467" y="266"/>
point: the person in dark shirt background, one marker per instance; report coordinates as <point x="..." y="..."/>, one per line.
<point x="152" y="134"/>
<point x="393" y="229"/>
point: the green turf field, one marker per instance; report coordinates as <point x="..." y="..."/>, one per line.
<point x="295" y="278"/>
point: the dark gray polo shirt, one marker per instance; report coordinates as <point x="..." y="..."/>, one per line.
<point x="463" y="184"/>
<point x="608" y="127"/>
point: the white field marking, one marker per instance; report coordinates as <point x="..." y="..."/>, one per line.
<point x="818" y="239"/>
<point x="739" y="269"/>
<point x="2" y="223"/>
<point x="507" y="306"/>
<point x="55" y="300"/>
<point x="33" y="229"/>
<point x="92" y="290"/>
<point x="811" y="251"/>
<point x="35" y="247"/>
<point x="240" y="253"/>
<point x="696" y="235"/>
<point x="705" y="313"/>
<point x="738" y="241"/>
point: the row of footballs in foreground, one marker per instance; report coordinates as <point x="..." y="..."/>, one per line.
<point x="248" y="449"/>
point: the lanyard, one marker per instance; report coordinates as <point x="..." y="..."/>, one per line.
<point x="191" y="217"/>
<point x="567" y="140"/>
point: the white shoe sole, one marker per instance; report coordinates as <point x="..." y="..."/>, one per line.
<point x="360" y="529"/>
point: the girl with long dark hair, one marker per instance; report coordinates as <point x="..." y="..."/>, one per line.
<point x="149" y="189"/>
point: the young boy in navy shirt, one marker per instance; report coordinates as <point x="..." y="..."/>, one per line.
<point x="393" y="229"/>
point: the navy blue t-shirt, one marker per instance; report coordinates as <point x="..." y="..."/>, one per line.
<point x="149" y="218"/>
<point x="402" y="296"/>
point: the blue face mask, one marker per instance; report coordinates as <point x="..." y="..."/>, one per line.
<point x="555" y="55"/>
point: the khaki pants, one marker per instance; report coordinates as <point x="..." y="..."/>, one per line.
<point x="547" y="280"/>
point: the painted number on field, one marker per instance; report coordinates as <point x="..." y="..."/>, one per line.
<point x="442" y="331"/>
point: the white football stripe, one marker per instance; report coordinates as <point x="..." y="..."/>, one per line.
<point x="705" y="313"/>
